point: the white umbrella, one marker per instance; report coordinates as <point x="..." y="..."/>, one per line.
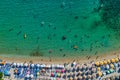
<point x="38" y="65"/>
<point x="42" y="65"/>
<point x="26" y="64"/>
<point x="31" y="76"/>
<point x="57" y="65"/>
<point x="48" y="66"/>
<point x="32" y="65"/>
<point x="115" y="64"/>
<point x="18" y="64"/>
<point x="27" y="75"/>
<point x="53" y="66"/>
<point x="62" y="66"/>
<point x="14" y="64"/>
<point x="74" y="63"/>
<point x="107" y="66"/>
<point x="21" y="64"/>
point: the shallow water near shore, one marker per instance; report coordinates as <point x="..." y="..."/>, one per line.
<point x="56" y="28"/>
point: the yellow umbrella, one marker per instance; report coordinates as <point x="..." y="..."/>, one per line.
<point x="97" y="64"/>
<point x="116" y="60"/>
<point x="75" y="78"/>
<point x="99" y="73"/>
<point x="112" y="60"/>
<point x="71" y="78"/>
<point x="105" y="62"/>
<point x="108" y="61"/>
<point x="101" y="62"/>
<point x="111" y="65"/>
<point x="98" y="69"/>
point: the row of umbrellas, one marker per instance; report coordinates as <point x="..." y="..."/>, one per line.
<point x="100" y="63"/>
<point x="38" y="65"/>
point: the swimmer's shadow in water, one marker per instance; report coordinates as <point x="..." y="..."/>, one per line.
<point x="36" y="53"/>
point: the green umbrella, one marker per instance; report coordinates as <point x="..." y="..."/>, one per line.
<point x="111" y="70"/>
<point x="108" y="71"/>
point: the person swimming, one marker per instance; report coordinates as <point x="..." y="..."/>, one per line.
<point x="25" y="36"/>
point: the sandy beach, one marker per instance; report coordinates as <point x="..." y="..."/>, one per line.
<point x="53" y="60"/>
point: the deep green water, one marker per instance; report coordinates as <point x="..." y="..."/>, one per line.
<point x="75" y="20"/>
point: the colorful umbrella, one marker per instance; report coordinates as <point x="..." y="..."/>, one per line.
<point x="97" y="64"/>
<point x="98" y="69"/>
<point x="112" y="60"/>
<point x="111" y="65"/>
<point x="116" y="59"/>
<point x="105" y="62"/>
<point x="99" y="73"/>
<point x="108" y="61"/>
<point x="101" y="63"/>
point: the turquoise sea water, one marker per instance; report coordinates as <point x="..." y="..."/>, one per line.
<point x="54" y="27"/>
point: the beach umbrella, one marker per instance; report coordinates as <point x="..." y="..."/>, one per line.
<point x="115" y="64"/>
<point x="21" y="64"/>
<point x="108" y="72"/>
<point x="25" y="64"/>
<point x="58" y="78"/>
<point x="80" y="72"/>
<point x="38" y="65"/>
<point x="111" y="70"/>
<point x="53" y="66"/>
<point x="71" y="78"/>
<point x="14" y="64"/>
<point x="107" y="66"/>
<point x="116" y="59"/>
<point x="32" y="65"/>
<point x="101" y="63"/>
<point x="49" y="66"/>
<point x="89" y="76"/>
<point x="108" y="61"/>
<point x="89" y="72"/>
<point x="111" y="65"/>
<point x="52" y="74"/>
<point x="18" y="64"/>
<point x="118" y="64"/>
<point x="93" y="75"/>
<point x="94" y="70"/>
<point x="31" y="76"/>
<point x="62" y="71"/>
<point x="38" y="73"/>
<point x="62" y="66"/>
<point x="80" y="77"/>
<point x="99" y="73"/>
<point x="75" y="78"/>
<point x="58" y="74"/>
<point x="105" y="62"/>
<point x="97" y="64"/>
<point x="112" y="60"/>
<point x="43" y="65"/>
<point x="104" y="73"/>
<point x="98" y="69"/>
<point x="84" y="76"/>
<point x="28" y="76"/>
<point x="3" y="62"/>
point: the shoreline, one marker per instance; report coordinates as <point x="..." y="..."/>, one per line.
<point x="60" y="60"/>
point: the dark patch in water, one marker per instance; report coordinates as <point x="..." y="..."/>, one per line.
<point x="110" y="13"/>
<point x="11" y="29"/>
<point x="63" y="38"/>
<point x="36" y="52"/>
<point x="95" y="24"/>
<point x="76" y="17"/>
<point x="19" y="33"/>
